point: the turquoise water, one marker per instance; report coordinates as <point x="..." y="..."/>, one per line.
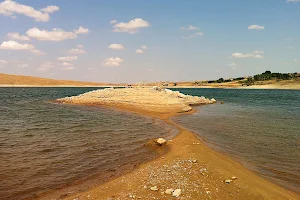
<point x="260" y="128"/>
<point x="45" y="146"/>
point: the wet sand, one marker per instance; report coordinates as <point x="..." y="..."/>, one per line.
<point x="189" y="165"/>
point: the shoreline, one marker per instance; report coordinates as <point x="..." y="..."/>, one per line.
<point x="253" y="87"/>
<point x="185" y="148"/>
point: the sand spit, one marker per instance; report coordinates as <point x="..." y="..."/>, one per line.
<point x="153" y="99"/>
<point x="190" y="170"/>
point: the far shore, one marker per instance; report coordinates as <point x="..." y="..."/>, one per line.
<point x="189" y="165"/>
<point x="267" y="86"/>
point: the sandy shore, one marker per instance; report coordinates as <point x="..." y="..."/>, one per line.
<point x="190" y="166"/>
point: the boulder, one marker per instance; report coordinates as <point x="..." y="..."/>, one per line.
<point x="176" y="193"/>
<point x="161" y="141"/>
<point x="169" y="191"/>
<point x="213" y="100"/>
<point x="154" y="188"/>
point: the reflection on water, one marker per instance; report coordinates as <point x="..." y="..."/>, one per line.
<point x="45" y="145"/>
<point x="258" y="127"/>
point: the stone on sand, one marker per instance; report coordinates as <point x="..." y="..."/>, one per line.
<point x="176" y="193"/>
<point x="161" y="141"/>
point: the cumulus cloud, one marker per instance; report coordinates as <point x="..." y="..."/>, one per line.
<point x="139" y="51"/>
<point x="113" y="62"/>
<point x="55" y="35"/>
<point x="116" y="46"/>
<point x="113" y="21"/>
<point x="17" y="36"/>
<point x="133" y="26"/>
<point x="68" y="58"/>
<point x="255" y="54"/>
<point x="193" y="35"/>
<point x="50" y="9"/>
<point x="77" y="50"/>
<point x="256" y="27"/>
<point x="46" y="66"/>
<point x="81" y="30"/>
<point x="9" y="8"/>
<point x="190" y="28"/>
<point x="66" y="64"/>
<point x="13" y="45"/>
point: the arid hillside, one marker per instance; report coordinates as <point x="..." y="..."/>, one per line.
<point x="18" y="80"/>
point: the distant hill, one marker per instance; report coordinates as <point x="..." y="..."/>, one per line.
<point x="18" y="80"/>
<point x="266" y="80"/>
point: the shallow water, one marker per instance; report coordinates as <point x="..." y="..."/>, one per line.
<point x="260" y="128"/>
<point x="44" y="145"/>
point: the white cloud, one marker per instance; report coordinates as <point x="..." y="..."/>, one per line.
<point x="248" y="55"/>
<point x="116" y="46"/>
<point x="140" y="51"/>
<point x="132" y="26"/>
<point x="50" y="9"/>
<point x="17" y="36"/>
<point x="81" y="30"/>
<point x="144" y="47"/>
<point x="68" y="58"/>
<point x="113" y="21"/>
<point x="3" y="62"/>
<point x="296" y="61"/>
<point x="9" y="8"/>
<point x="77" y="51"/>
<point x="256" y="27"/>
<point x="66" y="64"/>
<point x="293" y="1"/>
<point x="13" y="45"/>
<point x="190" y="28"/>
<point x="113" y="61"/>
<point x="56" y="34"/>
<point x="46" y="66"/>
<point x="193" y="35"/>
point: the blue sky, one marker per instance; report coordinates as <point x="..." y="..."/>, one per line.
<point x="133" y="41"/>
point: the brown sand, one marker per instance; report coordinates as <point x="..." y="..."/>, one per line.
<point x="189" y="165"/>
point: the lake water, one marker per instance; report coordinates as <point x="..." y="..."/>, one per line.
<point x="260" y="128"/>
<point x="45" y="146"/>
